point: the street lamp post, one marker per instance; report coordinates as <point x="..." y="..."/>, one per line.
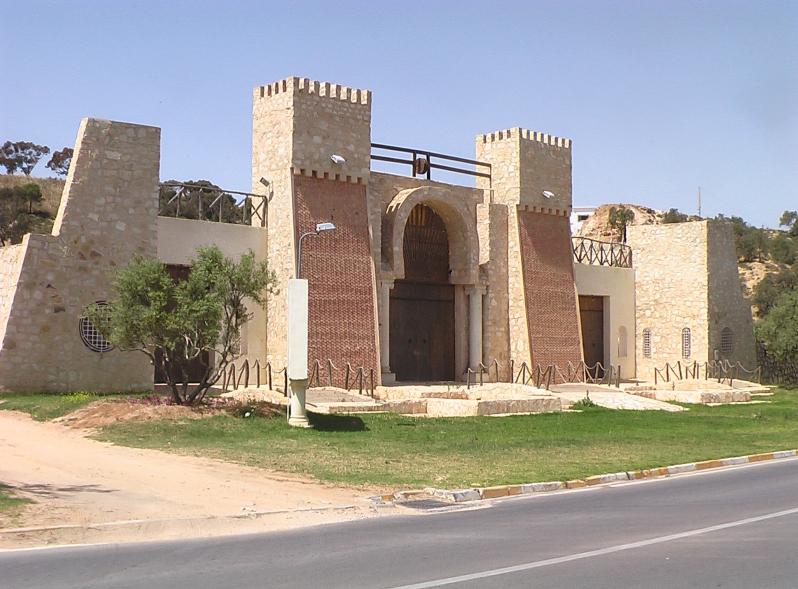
<point x="298" y="337"/>
<point x="320" y="227"/>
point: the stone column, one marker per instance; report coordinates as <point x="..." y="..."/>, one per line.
<point x="384" y="310"/>
<point x="475" y="326"/>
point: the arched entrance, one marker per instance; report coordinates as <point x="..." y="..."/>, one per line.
<point x="422" y="304"/>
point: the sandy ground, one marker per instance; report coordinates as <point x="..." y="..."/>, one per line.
<point x="85" y="488"/>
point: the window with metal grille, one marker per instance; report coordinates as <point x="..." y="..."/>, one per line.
<point x="622" y="342"/>
<point x="686" y="342"/>
<point x="91" y="336"/>
<point x="726" y="341"/>
<point x="647" y="343"/>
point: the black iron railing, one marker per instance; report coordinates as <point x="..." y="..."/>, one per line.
<point x="422" y="162"/>
<point x="210" y="203"/>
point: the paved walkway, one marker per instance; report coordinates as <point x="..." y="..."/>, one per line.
<point x="610" y="398"/>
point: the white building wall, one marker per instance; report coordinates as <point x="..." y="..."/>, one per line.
<point x="617" y="285"/>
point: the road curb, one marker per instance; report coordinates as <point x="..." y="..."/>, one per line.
<point x="498" y="491"/>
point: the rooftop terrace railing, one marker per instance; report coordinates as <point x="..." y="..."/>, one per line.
<point x="422" y="162"/>
<point x="206" y="202"/>
<point x="601" y="253"/>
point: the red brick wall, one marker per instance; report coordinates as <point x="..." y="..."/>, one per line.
<point x="338" y="266"/>
<point x="549" y="288"/>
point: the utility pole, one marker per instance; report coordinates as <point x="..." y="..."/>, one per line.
<point x="699" y="201"/>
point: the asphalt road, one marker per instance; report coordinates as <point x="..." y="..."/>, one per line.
<point x="735" y="527"/>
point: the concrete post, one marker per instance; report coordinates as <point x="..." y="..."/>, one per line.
<point x="385" y="331"/>
<point x="297" y="351"/>
<point x="475" y="326"/>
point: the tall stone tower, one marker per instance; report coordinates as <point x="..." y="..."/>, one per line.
<point x="311" y="143"/>
<point x="530" y="204"/>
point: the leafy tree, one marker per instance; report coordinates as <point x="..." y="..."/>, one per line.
<point x="789" y="219"/>
<point x="31" y="193"/>
<point x="674" y="216"/>
<point x="619" y="219"/>
<point x="771" y="287"/>
<point x="21" y="155"/>
<point x="783" y="249"/>
<point x="200" y="200"/>
<point x="751" y="243"/>
<point x="175" y="323"/>
<point x="779" y="329"/>
<point x="18" y="216"/>
<point x="60" y="161"/>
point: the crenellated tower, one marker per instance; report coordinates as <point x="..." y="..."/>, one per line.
<point x="311" y="145"/>
<point x="530" y="203"/>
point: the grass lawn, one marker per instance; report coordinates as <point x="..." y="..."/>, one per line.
<point x="392" y="450"/>
<point x="9" y="503"/>
<point x="44" y="407"/>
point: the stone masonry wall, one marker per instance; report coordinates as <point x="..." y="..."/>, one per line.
<point x="108" y="214"/>
<point x="340" y="273"/>
<point x="11" y="257"/>
<point x="672" y="283"/>
<point x="727" y="305"/>
<point x="550" y="295"/>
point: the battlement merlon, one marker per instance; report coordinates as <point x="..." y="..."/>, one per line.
<point x="298" y="85"/>
<point x="527" y="134"/>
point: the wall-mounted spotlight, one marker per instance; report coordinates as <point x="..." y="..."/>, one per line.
<point x="338" y="159"/>
<point x="264" y="181"/>
<point x="548" y="194"/>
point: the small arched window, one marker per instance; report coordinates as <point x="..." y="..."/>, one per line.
<point x="647" y="343"/>
<point x="726" y="341"/>
<point x="622" y="342"/>
<point x="686" y="343"/>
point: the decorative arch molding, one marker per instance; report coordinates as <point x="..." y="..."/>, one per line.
<point x="461" y="227"/>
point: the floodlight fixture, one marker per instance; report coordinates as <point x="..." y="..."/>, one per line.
<point x="548" y="194"/>
<point x="338" y="160"/>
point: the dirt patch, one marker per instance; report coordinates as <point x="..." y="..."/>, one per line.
<point x="79" y="483"/>
<point x="106" y="412"/>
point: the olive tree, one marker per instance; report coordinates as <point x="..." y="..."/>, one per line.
<point x="779" y="329"/>
<point x="175" y="322"/>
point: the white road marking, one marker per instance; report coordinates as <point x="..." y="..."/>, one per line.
<point x="593" y="553"/>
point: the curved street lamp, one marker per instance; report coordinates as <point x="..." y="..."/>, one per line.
<point x="320" y="227"/>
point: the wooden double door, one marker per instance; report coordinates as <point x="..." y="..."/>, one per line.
<point x="422" y="331"/>
<point x="591" y="314"/>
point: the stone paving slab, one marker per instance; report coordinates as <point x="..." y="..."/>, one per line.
<point x="618" y="400"/>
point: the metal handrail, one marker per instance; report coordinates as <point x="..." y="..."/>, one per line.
<point x="421" y="161"/>
<point x="253" y="206"/>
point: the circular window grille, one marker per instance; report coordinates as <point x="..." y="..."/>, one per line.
<point x="89" y="333"/>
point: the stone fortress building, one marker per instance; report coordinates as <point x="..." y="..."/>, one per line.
<point x="420" y="280"/>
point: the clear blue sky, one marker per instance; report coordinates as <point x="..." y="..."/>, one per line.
<point x="659" y="97"/>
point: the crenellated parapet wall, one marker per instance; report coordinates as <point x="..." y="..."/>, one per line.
<point x="538" y="136"/>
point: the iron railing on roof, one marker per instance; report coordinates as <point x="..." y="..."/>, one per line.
<point x="422" y="162"/>
<point x="206" y="202"/>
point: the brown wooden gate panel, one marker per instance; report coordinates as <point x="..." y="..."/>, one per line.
<point x="591" y="313"/>
<point x="422" y="331"/>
